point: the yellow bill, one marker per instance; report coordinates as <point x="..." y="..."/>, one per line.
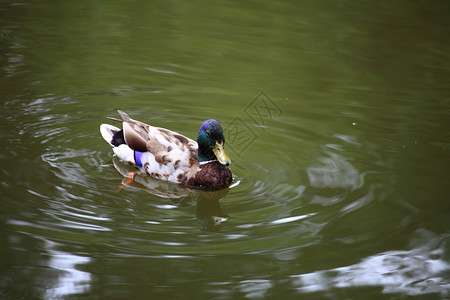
<point x="221" y="155"/>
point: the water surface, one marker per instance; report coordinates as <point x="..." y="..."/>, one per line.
<point x="336" y="116"/>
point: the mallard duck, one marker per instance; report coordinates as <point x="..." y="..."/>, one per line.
<point x="168" y="155"/>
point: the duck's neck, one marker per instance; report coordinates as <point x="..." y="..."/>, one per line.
<point x="205" y="154"/>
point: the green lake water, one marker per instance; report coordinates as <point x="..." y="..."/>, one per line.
<point x="337" y="121"/>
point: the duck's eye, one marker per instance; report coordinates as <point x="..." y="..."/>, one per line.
<point x="208" y="134"/>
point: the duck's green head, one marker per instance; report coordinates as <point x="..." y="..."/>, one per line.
<point x="210" y="142"/>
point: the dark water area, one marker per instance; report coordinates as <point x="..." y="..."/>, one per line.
<point x="336" y="116"/>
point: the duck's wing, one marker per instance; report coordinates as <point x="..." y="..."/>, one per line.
<point x="136" y="133"/>
<point x="168" y="147"/>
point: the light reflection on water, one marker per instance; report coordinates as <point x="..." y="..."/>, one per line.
<point x="421" y="270"/>
<point x="71" y="280"/>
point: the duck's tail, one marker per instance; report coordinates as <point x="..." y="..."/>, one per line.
<point x="112" y="135"/>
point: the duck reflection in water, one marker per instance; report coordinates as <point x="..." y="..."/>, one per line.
<point x="208" y="210"/>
